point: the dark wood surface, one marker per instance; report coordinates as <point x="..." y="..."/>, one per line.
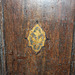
<point x="0" y="35"/>
<point x="56" y="18"/>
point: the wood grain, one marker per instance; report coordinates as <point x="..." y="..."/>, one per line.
<point x="56" y="19"/>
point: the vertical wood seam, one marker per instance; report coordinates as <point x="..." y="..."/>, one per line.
<point x="2" y="42"/>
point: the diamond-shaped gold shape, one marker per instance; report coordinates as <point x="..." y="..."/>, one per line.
<point x="36" y="38"/>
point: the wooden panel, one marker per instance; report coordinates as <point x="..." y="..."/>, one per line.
<point x="56" y="19"/>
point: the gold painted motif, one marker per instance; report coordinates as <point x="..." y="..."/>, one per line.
<point x="36" y="38"/>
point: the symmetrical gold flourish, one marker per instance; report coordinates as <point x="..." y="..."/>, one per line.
<point x="36" y="38"/>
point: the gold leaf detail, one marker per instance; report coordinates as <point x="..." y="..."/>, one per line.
<point x="36" y="38"/>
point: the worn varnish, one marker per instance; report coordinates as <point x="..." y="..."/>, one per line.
<point x="56" y="18"/>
